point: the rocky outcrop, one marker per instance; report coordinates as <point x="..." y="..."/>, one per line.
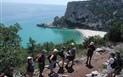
<point x="95" y="14"/>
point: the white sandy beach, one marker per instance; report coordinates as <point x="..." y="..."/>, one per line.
<point x="87" y="33"/>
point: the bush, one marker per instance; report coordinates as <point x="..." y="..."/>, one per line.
<point x="115" y="34"/>
<point x="96" y="39"/>
<point x="11" y="53"/>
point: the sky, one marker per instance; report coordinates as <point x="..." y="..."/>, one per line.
<point x="58" y="2"/>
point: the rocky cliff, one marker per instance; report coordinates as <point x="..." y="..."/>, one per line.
<point x="94" y="14"/>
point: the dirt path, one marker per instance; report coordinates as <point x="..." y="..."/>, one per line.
<point x="80" y="68"/>
<point x="97" y="61"/>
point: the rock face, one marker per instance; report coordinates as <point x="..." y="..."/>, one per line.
<point x="95" y="14"/>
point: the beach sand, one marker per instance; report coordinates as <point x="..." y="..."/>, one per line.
<point x="86" y="33"/>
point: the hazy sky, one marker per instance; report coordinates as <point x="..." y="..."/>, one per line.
<point x="61" y="2"/>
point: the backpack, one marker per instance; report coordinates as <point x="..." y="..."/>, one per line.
<point x="41" y="59"/>
<point x="49" y="58"/>
<point x="73" y="51"/>
<point x="114" y="64"/>
<point x="30" y="67"/>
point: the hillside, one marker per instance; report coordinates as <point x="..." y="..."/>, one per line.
<point x="93" y="14"/>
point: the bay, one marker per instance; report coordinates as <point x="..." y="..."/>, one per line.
<point x="28" y="15"/>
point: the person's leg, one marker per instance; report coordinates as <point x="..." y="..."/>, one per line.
<point x="73" y="57"/>
<point x="62" y="62"/>
<point x="109" y="75"/>
<point x="41" y="67"/>
<point x="115" y="72"/>
<point x="30" y="74"/>
<point x="90" y="60"/>
<point x="87" y="60"/>
<point x="67" y="61"/>
<point x="52" y="67"/>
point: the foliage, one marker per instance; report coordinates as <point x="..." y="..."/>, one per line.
<point x="10" y="48"/>
<point x="59" y="22"/>
<point x="115" y="34"/>
<point x="12" y="54"/>
<point x="96" y="39"/>
<point x="31" y="45"/>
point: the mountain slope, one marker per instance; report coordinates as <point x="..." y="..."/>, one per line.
<point x="94" y="14"/>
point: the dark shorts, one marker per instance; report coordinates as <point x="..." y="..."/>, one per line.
<point x="41" y="67"/>
<point x="89" y="53"/>
<point x="61" y="55"/>
<point x="30" y="69"/>
<point x="70" y="58"/>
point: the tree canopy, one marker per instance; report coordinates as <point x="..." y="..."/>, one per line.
<point x="9" y="46"/>
<point x="115" y="34"/>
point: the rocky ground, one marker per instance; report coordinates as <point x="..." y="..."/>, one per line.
<point x="81" y="70"/>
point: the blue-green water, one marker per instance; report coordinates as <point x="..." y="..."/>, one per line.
<point x="28" y="15"/>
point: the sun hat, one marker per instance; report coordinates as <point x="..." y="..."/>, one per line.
<point x="29" y="57"/>
<point x="55" y="50"/>
<point x="72" y="44"/>
<point x="63" y="47"/>
<point x="44" y="50"/>
<point x="91" y="43"/>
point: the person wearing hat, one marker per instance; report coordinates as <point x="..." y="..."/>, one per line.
<point x="91" y="49"/>
<point x="52" y="60"/>
<point x="40" y="58"/>
<point x="119" y="62"/>
<point x="71" y="55"/>
<point x="109" y="68"/>
<point x="30" y="66"/>
<point x="62" y="56"/>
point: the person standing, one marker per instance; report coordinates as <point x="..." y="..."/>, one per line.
<point x="62" y="56"/>
<point x="91" y="49"/>
<point x="119" y="63"/>
<point x="40" y="58"/>
<point x="52" y="60"/>
<point x="30" y="66"/>
<point x="110" y="70"/>
<point x="71" y="55"/>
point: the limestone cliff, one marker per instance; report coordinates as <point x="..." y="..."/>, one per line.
<point x="94" y="14"/>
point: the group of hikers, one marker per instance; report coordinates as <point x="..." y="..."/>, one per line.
<point x="114" y="66"/>
<point x="52" y="58"/>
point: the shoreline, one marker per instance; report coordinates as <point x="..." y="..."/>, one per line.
<point x="87" y="33"/>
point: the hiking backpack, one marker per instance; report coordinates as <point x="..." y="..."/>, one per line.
<point x="114" y="64"/>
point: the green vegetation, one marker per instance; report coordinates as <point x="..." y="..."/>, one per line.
<point x="59" y="22"/>
<point x="96" y="39"/>
<point x="115" y="34"/>
<point x="12" y="54"/>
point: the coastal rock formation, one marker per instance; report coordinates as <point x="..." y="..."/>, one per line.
<point x="94" y="14"/>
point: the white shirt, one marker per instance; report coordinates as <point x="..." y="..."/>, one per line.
<point x="109" y="68"/>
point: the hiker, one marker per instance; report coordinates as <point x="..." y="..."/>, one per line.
<point x="40" y="58"/>
<point x="71" y="55"/>
<point x="52" y="60"/>
<point x="91" y="49"/>
<point x="119" y="62"/>
<point x="30" y="66"/>
<point x="110" y="69"/>
<point x="62" y="55"/>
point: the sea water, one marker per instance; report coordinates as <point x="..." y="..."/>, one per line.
<point x="28" y="15"/>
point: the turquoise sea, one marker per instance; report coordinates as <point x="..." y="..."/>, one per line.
<point x="28" y="15"/>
